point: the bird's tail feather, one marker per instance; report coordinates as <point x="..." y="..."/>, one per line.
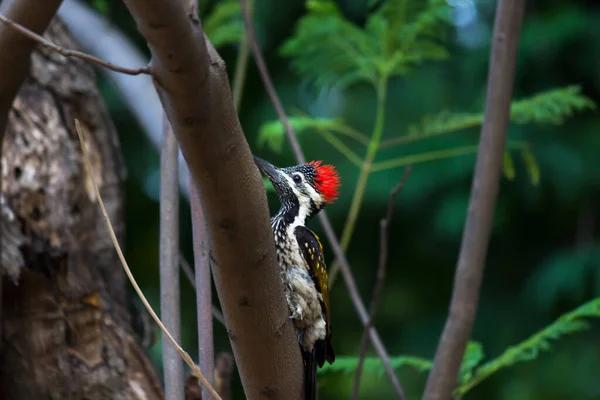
<point x="310" y="375"/>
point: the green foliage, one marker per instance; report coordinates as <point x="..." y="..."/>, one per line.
<point x="530" y="349"/>
<point x="551" y="107"/>
<point x="101" y="6"/>
<point x="471" y="359"/>
<point x="224" y="25"/>
<point x="272" y="133"/>
<point x="563" y="275"/>
<point x="331" y="50"/>
<point x="373" y="364"/>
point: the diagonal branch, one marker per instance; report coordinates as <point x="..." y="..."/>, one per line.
<point x="478" y="226"/>
<point x="193" y="87"/>
<point x="384" y="228"/>
<point x="71" y="53"/>
<point x="329" y="232"/>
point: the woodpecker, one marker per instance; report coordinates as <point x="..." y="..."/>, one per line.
<point x="303" y="191"/>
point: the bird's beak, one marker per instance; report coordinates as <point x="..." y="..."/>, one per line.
<point x="267" y="168"/>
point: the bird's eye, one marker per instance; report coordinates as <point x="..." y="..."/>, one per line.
<point x="297" y="178"/>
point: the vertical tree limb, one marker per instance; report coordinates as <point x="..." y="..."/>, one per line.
<point x="170" y="311"/>
<point x="193" y="87"/>
<point x="206" y="354"/>
<point x="478" y="226"/>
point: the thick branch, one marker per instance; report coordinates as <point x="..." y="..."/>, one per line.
<point x="169" y="265"/>
<point x="15" y="49"/>
<point x="192" y="83"/>
<point x="471" y="261"/>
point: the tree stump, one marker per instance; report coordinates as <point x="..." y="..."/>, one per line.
<point x="66" y="327"/>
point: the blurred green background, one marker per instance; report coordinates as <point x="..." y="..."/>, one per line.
<point x="544" y="256"/>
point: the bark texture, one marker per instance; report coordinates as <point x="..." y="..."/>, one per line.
<point x="66" y="330"/>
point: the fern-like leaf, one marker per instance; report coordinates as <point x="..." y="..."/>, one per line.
<point x="373" y="364"/>
<point x="471" y="359"/>
<point x="553" y="106"/>
<point x="530" y="349"/>
<point x="224" y="25"/>
<point x="272" y="133"/>
<point x="331" y="50"/>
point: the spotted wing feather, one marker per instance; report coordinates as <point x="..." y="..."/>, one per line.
<point x="312" y="250"/>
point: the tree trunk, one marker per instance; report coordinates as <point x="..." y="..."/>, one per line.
<point x="66" y="329"/>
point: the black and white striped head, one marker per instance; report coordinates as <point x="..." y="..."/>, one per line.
<point x="304" y="189"/>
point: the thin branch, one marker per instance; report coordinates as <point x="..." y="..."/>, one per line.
<point x="206" y="354"/>
<point x="241" y="65"/>
<point x="72" y="53"/>
<point x="384" y="230"/>
<point x="169" y="264"/>
<point x="190" y="275"/>
<point x="266" y="78"/>
<point x="329" y="232"/>
<point x="478" y="225"/>
<point x="186" y="357"/>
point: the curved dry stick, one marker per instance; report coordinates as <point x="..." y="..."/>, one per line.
<point x="329" y="232"/>
<point x="186" y="357"/>
<point x="478" y="226"/>
<point x="384" y="229"/>
<point x="72" y="53"/>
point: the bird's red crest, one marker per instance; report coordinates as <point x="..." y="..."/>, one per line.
<point x="327" y="180"/>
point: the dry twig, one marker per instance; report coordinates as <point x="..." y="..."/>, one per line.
<point x="478" y="226"/>
<point x="72" y="53"/>
<point x="186" y="357"/>
<point x="384" y="231"/>
<point x="329" y="232"/>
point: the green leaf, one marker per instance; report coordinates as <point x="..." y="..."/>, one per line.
<point x="551" y="107"/>
<point x="331" y="50"/>
<point x="508" y="167"/>
<point x="224" y="25"/>
<point x="471" y="359"/>
<point x="101" y="6"/>
<point x="533" y="169"/>
<point x="373" y="364"/>
<point x="272" y="133"/>
<point x="530" y="349"/>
